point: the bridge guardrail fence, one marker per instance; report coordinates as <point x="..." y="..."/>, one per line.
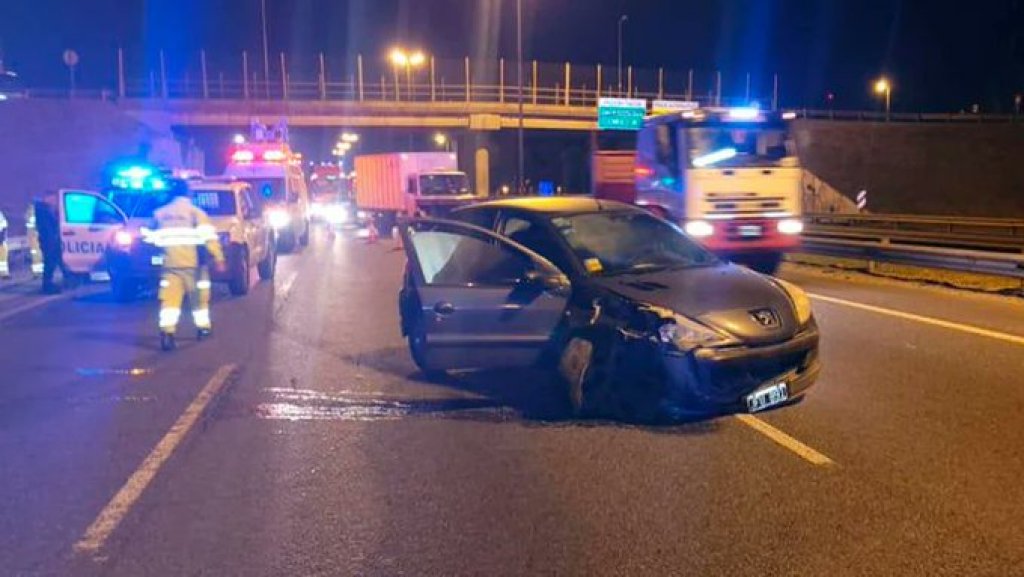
<point x="980" y="245"/>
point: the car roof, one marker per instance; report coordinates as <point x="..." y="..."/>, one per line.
<point x="553" y="205"/>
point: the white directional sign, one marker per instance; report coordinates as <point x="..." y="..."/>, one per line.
<point x="670" y="106"/>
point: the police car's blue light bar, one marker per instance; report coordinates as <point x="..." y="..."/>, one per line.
<point x="138" y="177"/>
<point x="714" y="157"/>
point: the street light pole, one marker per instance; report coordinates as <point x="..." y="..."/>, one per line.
<point x="622" y="20"/>
<point x="266" y="49"/>
<point x="519" y="80"/>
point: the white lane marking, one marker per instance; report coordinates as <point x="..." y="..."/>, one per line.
<point x="803" y="451"/>
<point x="34" y="304"/>
<point x="112" y="515"/>
<point x="1007" y="337"/>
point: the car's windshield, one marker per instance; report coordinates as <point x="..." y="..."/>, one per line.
<point x="610" y="243"/>
<point x="747" y="144"/>
<point x="215" y="202"/>
<point x="436" y="184"/>
<point x="138" y="204"/>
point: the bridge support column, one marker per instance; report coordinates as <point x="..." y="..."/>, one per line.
<point x="482" y="170"/>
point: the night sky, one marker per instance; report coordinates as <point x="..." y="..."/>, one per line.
<point x="942" y="55"/>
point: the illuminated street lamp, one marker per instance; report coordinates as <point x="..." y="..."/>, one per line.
<point x="238" y="139"/>
<point x="408" y="60"/>
<point x="884" y="87"/>
<point x="349" y="137"/>
<point x="441" y="139"/>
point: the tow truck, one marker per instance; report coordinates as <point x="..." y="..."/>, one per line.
<point x="729" y="176"/>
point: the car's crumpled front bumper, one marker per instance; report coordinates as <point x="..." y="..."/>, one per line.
<point x="719" y="379"/>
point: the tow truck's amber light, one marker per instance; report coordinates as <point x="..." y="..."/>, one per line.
<point x="273" y="156"/>
<point x="123" y="238"/>
<point x="790" y="226"/>
<point x="643" y="171"/>
<point x="242" y="156"/>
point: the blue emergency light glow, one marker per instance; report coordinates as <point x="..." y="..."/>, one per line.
<point x="137" y="178"/>
<point x="267" y="191"/>
<point x="714" y="157"/>
<point x="745" y="113"/>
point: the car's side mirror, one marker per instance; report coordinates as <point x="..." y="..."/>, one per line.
<point x="552" y="281"/>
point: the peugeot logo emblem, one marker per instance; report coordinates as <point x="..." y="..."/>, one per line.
<point x="767" y="318"/>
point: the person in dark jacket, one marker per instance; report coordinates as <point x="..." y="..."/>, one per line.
<point x="48" y="226"/>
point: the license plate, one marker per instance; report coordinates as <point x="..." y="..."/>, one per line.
<point x="157" y="260"/>
<point x="751" y="230"/>
<point x="762" y="399"/>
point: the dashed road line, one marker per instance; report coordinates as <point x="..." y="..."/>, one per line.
<point x="785" y="440"/>
<point x="1006" y="337"/>
<point x="111" y="516"/>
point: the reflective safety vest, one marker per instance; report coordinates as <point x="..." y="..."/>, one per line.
<point x="181" y="228"/>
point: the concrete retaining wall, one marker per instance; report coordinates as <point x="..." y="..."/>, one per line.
<point x="944" y="169"/>
<point x="50" y="144"/>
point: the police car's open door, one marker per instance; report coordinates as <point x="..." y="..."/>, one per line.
<point x="88" y="222"/>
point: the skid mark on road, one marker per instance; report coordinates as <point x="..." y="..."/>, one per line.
<point x="970" y="329"/>
<point x="119" y="506"/>
<point x="307" y="405"/>
<point x="803" y="451"/>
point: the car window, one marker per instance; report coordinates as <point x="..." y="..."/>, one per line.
<point x="81" y="208"/>
<point x="215" y="202"/>
<point x="534" y="237"/>
<point x="448" y="258"/>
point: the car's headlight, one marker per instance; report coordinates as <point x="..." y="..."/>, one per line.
<point x="279" y="218"/>
<point x="699" y="228"/>
<point x="686" y="334"/>
<point x="801" y="302"/>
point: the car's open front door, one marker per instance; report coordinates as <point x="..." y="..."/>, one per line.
<point x="88" y="223"/>
<point x="479" y="300"/>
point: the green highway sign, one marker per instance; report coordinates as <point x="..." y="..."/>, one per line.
<point x="621" y="113"/>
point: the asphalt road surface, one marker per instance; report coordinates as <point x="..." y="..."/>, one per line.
<point x="301" y="441"/>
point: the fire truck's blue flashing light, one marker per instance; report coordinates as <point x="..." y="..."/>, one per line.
<point x="715" y="157"/>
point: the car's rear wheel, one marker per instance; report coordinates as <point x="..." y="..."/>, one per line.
<point x="268" y="266"/>
<point x="239" y="282"/>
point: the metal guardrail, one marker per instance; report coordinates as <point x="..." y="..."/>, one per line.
<point x="982" y="245"/>
<point x="912" y="117"/>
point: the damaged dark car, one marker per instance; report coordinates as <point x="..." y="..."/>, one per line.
<point x="637" y="319"/>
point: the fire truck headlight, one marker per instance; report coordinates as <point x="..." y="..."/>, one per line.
<point x="123" y="238"/>
<point x="790" y="226"/>
<point x="279" y="219"/>
<point x="699" y="228"/>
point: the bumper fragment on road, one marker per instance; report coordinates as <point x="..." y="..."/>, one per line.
<point x="111" y="516"/>
<point x="803" y="451"/>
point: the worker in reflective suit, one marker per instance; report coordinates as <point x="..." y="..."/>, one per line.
<point x="189" y="242"/>
<point x="5" y="268"/>
<point x="34" y="248"/>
